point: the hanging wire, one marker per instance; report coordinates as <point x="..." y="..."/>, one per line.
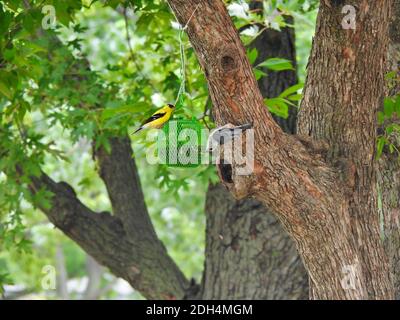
<point x="182" y="88"/>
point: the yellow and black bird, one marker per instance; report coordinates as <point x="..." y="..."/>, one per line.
<point x="158" y="118"/>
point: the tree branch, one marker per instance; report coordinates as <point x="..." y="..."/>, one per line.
<point x="119" y="173"/>
<point x="143" y="264"/>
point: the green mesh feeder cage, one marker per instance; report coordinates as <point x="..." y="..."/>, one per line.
<point x="180" y="143"/>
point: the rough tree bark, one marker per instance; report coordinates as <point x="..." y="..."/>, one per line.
<point x="321" y="185"/>
<point x="389" y="169"/>
<point x="248" y="254"/>
<point x="358" y="85"/>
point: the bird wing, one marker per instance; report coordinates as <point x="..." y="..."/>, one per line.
<point x="225" y="134"/>
<point x="154" y="117"/>
<point x="214" y="138"/>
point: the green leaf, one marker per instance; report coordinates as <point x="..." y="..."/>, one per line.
<point x="5" y="90"/>
<point x="113" y="3"/>
<point x="295" y="97"/>
<point x="293" y="89"/>
<point x="397" y="105"/>
<point x="102" y="141"/>
<point x="5" y="20"/>
<point x="252" y="55"/>
<point x="388" y="107"/>
<point x="4" y="279"/>
<point x="143" y="23"/>
<point x="28" y="22"/>
<point x="277" y="64"/>
<point x="381" y="117"/>
<point x="277" y="106"/>
<point x="134" y="108"/>
<point x="391" y="75"/>
<point x="259" y="74"/>
<point x="380" y="145"/>
<point x="13" y="4"/>
<point x="389" y="130"/>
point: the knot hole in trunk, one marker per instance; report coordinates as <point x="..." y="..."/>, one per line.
<point x="228" y="63"/>
<point x="225" y="170"/>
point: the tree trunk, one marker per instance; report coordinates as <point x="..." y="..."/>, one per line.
<point x="389" y="169"/>
<point x="94" y="273"/>
<point x="248" y="254"/>
<point x="270" y="44"/>
<point x="62" y="276"/>
<point x="358" y="85"/>
<point x="324" y="193"/>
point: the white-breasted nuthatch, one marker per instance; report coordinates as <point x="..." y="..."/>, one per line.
<point x="224" y="134"/>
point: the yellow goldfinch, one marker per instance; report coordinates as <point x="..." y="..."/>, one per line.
<point x="158" y="118"/>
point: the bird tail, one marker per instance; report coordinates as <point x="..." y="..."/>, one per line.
<point x="137" y="130"/>
<point x="244" y="126"/>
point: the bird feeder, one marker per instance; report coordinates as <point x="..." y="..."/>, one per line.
<point x="180" y="143"/>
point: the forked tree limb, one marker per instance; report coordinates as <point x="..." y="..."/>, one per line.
<point x="142" y="261"/>
<point x="292" y="178"/>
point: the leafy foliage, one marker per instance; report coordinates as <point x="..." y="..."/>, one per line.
<point x="388" y="119"/>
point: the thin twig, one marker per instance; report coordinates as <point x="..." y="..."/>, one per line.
<point x="132" y="55"/>
<point x="206" y="108"/>
<point x="191" y="16"/>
